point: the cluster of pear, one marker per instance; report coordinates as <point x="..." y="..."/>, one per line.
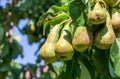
<point x="61" y="46"/>
<point x="58" y="46"/>
<point x="99" y="15"/>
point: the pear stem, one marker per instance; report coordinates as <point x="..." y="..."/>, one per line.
<point x="96" y="1"/>
<point x="103" y="4"/>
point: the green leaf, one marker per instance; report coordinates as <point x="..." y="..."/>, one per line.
<point x="80" y="20"/>
<point x="56" y="9"/>
<point x="15" y="49"/>
<point x="101" y="60"/>
<point x="111" y="70"/>
<point x="85" y="1"/>
<point x="45" y="17"/>
<point x="77" y="12"/>
<point x="52" y="12"/>
<point x="71" y="70"/>
<point x="4" y="50"/>
<point x="1" y="33"/>
<point x="25" y="4"/>
<point x="84" y="72"/>
<point x="67" y="71"/>
<point x="4" y="68"/>
<point x="115" y="56"/>
<point x="3" y="75"/>
<point x="63" y="2"/>
<point x="58" y="19"/>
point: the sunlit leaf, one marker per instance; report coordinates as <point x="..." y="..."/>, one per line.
<point x="115" y="55"/>
<point x="111" y="70"/>
<point x="58" y="19"/>
<point x="71" y="70"/>
<point x="4" y="50"/>
<point x="85" y="74"/>
<point x="1" y="33"/>
<point x="85" y="1"/>
<point x="77" y="12"/>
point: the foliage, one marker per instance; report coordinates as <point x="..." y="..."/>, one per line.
<point x="43" y="15"/>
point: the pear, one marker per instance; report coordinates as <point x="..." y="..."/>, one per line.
<point x="116" y="20"/>
<point x="97" y="15"/>
<point x="64" y="49"/>
<point x="112" y="3"/>
<point x="82" y="39"/>
<point x="47" y="51"/>
<point x="105" y="36"/>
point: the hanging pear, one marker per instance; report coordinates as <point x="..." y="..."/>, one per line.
<point x="97" y="15"/>
<point x="116" y="20"/>
<point x="47" y="51"/>
<point x="63" y="48"/>
<point x="82" y="39"/>
<point x="105" y="36"/>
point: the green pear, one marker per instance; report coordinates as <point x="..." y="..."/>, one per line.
<point x="97" y="15"/>
<point x="116" y="20"/>
<point x="82" y="39"/>
<point x="64" y="49"/>
<point x="47" y="51"/>
<point x="105" y="36"/>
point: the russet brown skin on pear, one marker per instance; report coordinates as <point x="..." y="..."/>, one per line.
<point x="97" y="15"/>
<point x="105" y="37"/>
<point x="116" y="20"/>
<point x="82" y="39"/>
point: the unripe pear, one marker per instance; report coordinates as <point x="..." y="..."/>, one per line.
<point x="97" y="15"/>
<point x="82" y="39"/>
<point x="116" y="20"/>
<point x="47" y="51"/>
<point x="63" y="48"/>
<point x="105" y="36"/>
